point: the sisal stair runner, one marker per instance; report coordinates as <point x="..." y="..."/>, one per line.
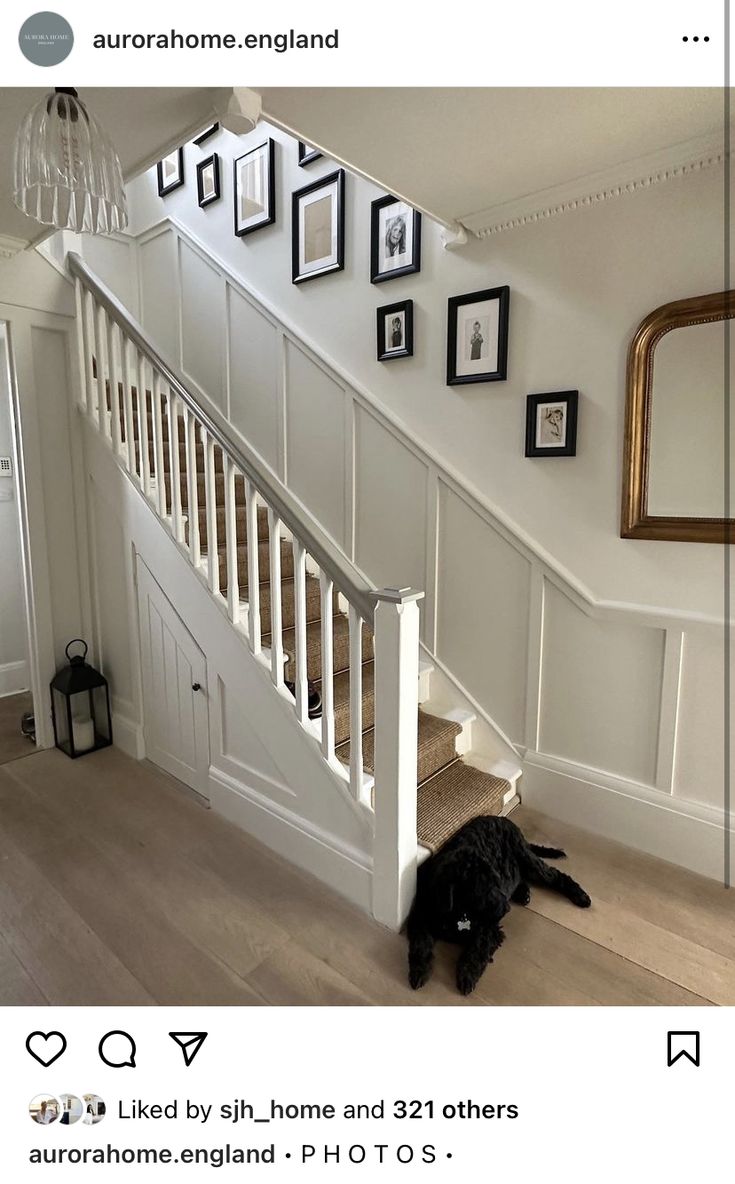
<point x="450" y="792"/>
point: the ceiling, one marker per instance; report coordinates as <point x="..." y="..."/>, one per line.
<point x="454" y="152"/>
<point x="141" y="121"/>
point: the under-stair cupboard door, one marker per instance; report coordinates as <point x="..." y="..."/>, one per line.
<point x="174" y="670"/>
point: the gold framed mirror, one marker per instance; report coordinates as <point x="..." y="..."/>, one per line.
<point x="674" y="456"/>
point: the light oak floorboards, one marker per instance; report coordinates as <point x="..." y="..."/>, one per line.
<point x="12" y="743"/>
<point x="117" y="887"/>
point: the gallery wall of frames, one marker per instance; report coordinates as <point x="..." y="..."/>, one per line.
<point x="563" y="297"/>
<point x="477" y="322"/>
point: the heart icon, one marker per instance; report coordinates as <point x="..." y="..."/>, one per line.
<point x="46" y="1047"/>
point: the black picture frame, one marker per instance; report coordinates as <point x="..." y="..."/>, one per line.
<point x="307" y="154"/>
<point x="268" y="217"/>
<point x="387" y="351"/>
<point x="213" y="163"/>
<point x="552" y="401"/>
<point x="204" y="136"/>
<point x="334" y="180"/>
<point x="168" y="187"/>
<point x="497" y="370"/>
<point x="378" y="274"/>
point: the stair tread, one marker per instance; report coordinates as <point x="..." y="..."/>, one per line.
<point x="436" y="745"/>
<point x="454" y="796"/>
<point x="342" y="701"/>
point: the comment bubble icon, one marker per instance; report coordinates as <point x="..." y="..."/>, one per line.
<point x="117" y="1049"/>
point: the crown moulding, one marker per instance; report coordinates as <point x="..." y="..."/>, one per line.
<point x="621" y="180"/>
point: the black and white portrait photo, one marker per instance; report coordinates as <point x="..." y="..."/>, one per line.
<point x="551" y="424"/>
<point x="477" y="336"/>
<point x="395" y="331"/>
<point x="395" y="239"/>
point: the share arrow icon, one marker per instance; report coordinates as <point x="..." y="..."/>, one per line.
<point x="189" y="1043"/>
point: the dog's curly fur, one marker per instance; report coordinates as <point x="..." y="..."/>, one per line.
<point x="465" y="890"/>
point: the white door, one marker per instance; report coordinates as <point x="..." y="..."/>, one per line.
<point x="176" y="717"/>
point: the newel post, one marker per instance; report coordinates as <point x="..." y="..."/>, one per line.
<point x="396" y="634"/>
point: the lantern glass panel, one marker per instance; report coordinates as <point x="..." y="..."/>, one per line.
<point x="61" y="721"/>
<point x="82" y="721"/>
<point x="101" y="715"/>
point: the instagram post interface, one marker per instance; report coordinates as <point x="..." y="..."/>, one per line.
<point x="365" y="656"/>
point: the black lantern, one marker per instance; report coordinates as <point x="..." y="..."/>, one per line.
<point x="80" y="706"/>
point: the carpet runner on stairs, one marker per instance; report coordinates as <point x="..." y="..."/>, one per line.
<point x="450" y="792"/>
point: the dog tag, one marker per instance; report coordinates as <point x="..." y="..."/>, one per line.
<point x="465" y="924"/>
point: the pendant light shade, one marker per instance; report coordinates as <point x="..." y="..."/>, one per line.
<point x="67" y="173"/>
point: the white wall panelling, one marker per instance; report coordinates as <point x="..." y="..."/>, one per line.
<point x="553" y="671"/>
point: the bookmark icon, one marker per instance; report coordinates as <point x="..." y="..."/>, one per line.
<point x="189" y="1043"/>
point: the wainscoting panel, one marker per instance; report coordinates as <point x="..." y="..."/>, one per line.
<point x="600" y="690"/>
<point x="254" y="344"/>
<point x="390" y="506"/>
<point x="159" y="291"/>
<point x="114" y="260"/>
<point x="111" y="564"/>
<point x="699" y="769"/>
<point x="203" y="324"/>
<point x="483" y="592"/>
<point x="315" y="448"/>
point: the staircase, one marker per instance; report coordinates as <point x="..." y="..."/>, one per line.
<point x="313" y="624"/>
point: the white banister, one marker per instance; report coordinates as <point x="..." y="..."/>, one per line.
<point x="274" y="546"/>
<point x="356" y="779"/>
<point x="326" y="592"/>
<point x="251" y="538"/>
<point x="396" y="628"/>
<point x="299" y="676"/>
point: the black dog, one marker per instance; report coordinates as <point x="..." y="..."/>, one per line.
<point x="465" y="890"/>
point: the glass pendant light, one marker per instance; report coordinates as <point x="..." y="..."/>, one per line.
<point x="67" y="173"/>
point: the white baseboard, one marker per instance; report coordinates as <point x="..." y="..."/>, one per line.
<point x="127" y="735"/>
<point x="345" y="869"/>
<point x="14" y="678"/>
<point x="684" y="833"/>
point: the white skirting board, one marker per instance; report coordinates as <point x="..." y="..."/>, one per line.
<point x="344" y="869"/>
<point x="13" y="678"/>
<point x="680" y="832"/>
<point x="127" y="735"/>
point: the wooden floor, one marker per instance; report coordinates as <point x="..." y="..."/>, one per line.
<point x="12" y="743"/>
<point x="117" y="888"/>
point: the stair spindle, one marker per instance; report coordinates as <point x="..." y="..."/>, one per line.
<point x="192" y="490"/>
<point x="143" y="445"/>
<point x="356" y="764"/>
<point x="233" y="578"/>
<point x="125" y="346"/>
<point x="156" y="397"/>
<point x="274" y="544"/>
<point x="174" y="466"/>
<point x="299" y="675"/>
<point x="210" y="501"/>
<point x="326" y="587"/>
<point x="100" y="338"/>
<point x="113" y="367"/>
<point x="251" y="518"/>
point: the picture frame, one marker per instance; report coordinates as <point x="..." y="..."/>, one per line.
<point x="307" y="154"/>
<point x="254" y="188"/>
<point x="395" y="331"/>
<point x="204" y="136"/>
<point x="477" y="336"/>
<point x="318" y="228"/>
<point x="551" y="424"/>
<point x="208" y="181"/>
<point x="395" y="239"/>
<point x="171" y="172"/>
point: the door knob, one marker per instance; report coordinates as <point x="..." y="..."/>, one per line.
<point x="196" y="686"/>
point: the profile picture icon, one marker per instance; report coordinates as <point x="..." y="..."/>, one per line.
<point x="93" y="1109"/>
<point x="72" y="1109"/>
<point x="44" y="1109"/>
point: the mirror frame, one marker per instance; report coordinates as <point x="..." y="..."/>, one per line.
<point x="636" y="522"/>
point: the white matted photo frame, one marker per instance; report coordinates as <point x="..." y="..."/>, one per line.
<point x="551" y="424"/>
<point x="307" y="154"/>
<point x="208" y="180"/>
<point x="395" y="331"/>
<point x="254" y="188"/>
<point x="318" y="228"/>
<point x="395" y="239"/>
<point x="171" y="172"/>
<point x="477" y="337"/>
